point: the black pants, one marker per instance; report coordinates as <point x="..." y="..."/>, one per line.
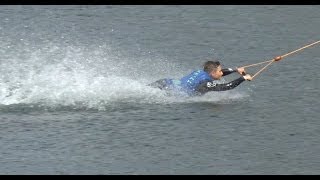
<point x="161" y="84"/>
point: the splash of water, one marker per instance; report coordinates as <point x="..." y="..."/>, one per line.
<point x="53" y="76"/>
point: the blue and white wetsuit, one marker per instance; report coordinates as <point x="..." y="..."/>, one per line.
<point x="197" y="83"/>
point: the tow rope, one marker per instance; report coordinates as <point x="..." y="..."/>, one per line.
<point x="278" y="58"/>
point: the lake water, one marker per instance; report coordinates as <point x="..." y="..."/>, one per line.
<point x="74" y="100"/>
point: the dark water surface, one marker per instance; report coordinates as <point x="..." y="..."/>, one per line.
<point x="74" y="100"/>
